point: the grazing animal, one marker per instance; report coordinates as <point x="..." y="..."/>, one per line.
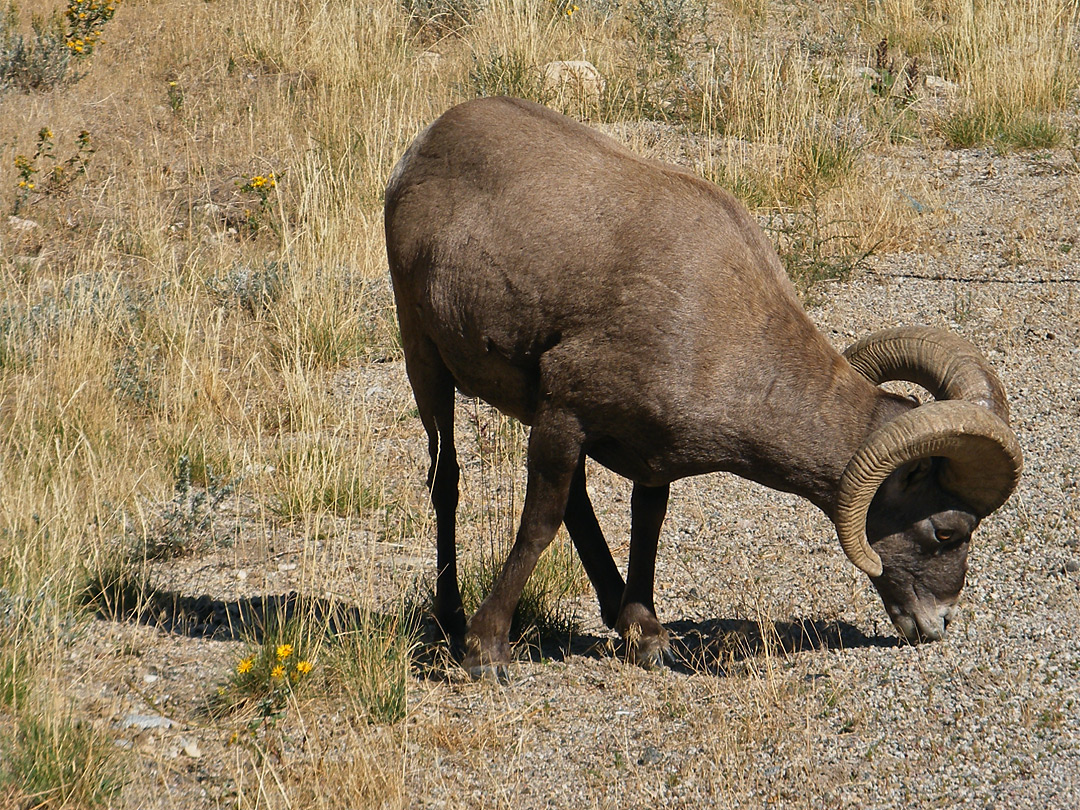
<point x="636" y="314"/>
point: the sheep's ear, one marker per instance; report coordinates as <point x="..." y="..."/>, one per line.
<point x="915" y="472"/>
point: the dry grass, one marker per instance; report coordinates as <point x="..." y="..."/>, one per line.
<point x="162" y="308"/>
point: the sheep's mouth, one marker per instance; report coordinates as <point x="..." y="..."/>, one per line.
<point x="924" y="625"/>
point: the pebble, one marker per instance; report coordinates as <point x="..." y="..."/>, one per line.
<point x="650" y="756"/>
<point x="190" y="748"/>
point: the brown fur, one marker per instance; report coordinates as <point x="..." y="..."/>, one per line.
<point x="628" y="311"/>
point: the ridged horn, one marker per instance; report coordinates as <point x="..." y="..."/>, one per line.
<point x="983" y="467"/>
<point x="946" y="365"/>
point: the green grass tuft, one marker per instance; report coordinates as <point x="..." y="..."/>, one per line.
<point x="59" y="763"/>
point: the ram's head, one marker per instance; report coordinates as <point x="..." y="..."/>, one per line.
<point x="915" y="491"/>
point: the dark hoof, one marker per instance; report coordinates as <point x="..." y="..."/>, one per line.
<point x="647" y="643"/>
<point x="487" y="662"/>
<point x="650" y="652"/>
<point x="492" y="673"/>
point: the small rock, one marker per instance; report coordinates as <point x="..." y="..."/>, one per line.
<point x="20" y="224"/>
<point x="1072" y="566"/>
<point x="650" y="756"/>
<point x="190" y="748"/>
<point x="941" y="87"/>
<point x="429" y="61"/>
<point x="146" y="721"/>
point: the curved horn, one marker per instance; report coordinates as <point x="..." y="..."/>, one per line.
<point x="984" y="464"/>
<point x="945" y="364"/>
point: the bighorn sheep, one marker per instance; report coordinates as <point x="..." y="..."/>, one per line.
<point x="633" y="313"/>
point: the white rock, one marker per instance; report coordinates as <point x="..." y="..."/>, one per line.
<point x="941" y="87"/>
<point x="428" y="61"/>
<point x="190" y="748"/>
<point x="20" y="224"/>
<point x="146" y="721"/>
<point x="575" y="80"/>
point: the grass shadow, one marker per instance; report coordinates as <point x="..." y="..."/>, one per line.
<point x="246" y="618"/>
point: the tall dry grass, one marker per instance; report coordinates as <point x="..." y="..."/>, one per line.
<point x="1017" y="65"/>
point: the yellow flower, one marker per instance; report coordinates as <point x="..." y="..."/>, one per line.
<point x="277" y="671"/>
<point x="304" y="667"/>
<point x="245" y="666"/>
<point x="284" y="651"/>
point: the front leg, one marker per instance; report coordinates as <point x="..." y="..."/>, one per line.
<point x="554" y="449"/>
<point x="646" y="639"/>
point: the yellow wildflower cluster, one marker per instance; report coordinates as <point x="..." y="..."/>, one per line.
<point x="262" y="182"/>
<point x="282" y="652"/>
<point x="55" y="178"/>
<point x="26" y="169"/>
<point x="566" y="7"/>
<point x="86" y="18"/>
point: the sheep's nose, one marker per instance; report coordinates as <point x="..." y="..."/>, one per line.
<point x="932" y="633"/>
<point x="932" y="626"/>
<point x="916" y="629"/>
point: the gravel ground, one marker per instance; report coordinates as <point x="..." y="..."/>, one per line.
<point x="789" y="688"/>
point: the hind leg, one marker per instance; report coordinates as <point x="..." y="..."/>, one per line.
<point x="433" y="388"/>
<point x="554" y="450"/>
<point x="593" y="550"/>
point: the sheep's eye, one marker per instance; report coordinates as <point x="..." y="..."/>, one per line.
<point x="945" y="535"/>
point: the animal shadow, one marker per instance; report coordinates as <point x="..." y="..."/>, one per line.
<point x="712" y="646"/>
<point x="718" y="646"/>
